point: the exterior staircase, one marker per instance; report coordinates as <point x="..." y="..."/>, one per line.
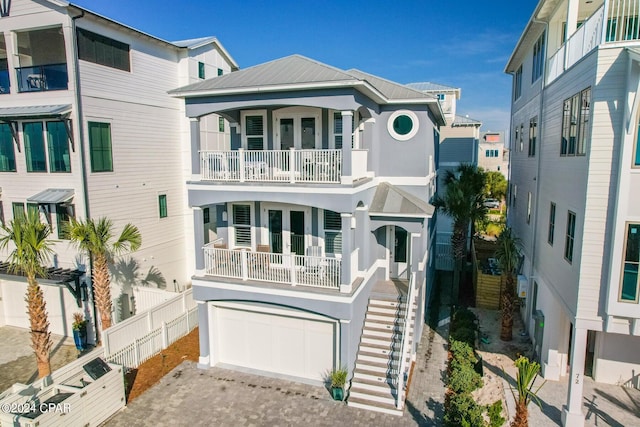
<point x="374" y="385"/>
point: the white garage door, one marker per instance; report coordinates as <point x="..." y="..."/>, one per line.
<point x="282" y="344"/>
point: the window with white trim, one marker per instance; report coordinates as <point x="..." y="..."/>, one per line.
<point x="630" y="265"/>
<point x="570" y="238"/>
<point x="517" y="84"/>
<point x="538" y="58"/>
<point x="575" y="124"/>
<point x="332" y="232"/>
<point x="552" y="223"/>
<point x="254" y="129"/>
<point x="241" y="217"/>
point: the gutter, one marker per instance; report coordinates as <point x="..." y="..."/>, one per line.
<point x="83" y="161"/>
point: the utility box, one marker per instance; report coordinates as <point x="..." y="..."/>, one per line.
<point x="523" y="286"/>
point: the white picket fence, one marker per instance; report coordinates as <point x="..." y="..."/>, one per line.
<point x="139" y="338"/>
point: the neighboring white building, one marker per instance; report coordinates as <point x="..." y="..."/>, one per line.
<point x="324" y="230"/>
<point x="492" y="154"/>
<point x="574" y="200"/>
<point x="87" y="129"/>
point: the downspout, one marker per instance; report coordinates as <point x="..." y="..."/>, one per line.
<point x="539" y="150"/>
<point x="83" y="163"/>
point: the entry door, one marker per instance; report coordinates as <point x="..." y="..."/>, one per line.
<point x="287" y="231"/>
<point x="297" y="131"/>
<point x="398" y="244"/>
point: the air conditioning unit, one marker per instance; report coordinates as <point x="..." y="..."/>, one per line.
<point x="523" y="286"/>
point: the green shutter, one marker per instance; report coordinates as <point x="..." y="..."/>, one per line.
<point x="201" y="70"/>
<point x="100" y="147"/>
<point x="220" y="72"/>
<point x="18" y="210"/>
<point x="221" y="124"/>
<point x="7" y="153"/>
<point x="162" y="204"/>
<point x="58" y="144"/>
<point x="34" y="147"/>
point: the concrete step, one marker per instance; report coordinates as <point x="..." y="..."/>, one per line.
<point x="379" y="357"/>
<point x="362" y="375"/>
<point x="373" y="396"/>
<point x="387" y="303"/>
<point x="380" y="367"/>
<point x="382" y="339"/>
<point x="374" y="386"/>
<point x="387" y="348"/>
<point x="356" y="402"/>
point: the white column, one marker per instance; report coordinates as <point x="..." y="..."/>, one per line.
<point x="347" y="131"/>
<point x="572" y="18"/>
<point x="347" y="248"/>
<point x="194" y="126"/>
<point x="204" y="361"/>
<point x="198" y="239"/>
<point x="572" y="415"/>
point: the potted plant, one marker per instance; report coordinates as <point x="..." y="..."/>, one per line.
<point x="338" y="379"/>
<point x="79" y="331"/>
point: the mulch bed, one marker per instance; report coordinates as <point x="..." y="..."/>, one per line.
<point x="150" y="372"/>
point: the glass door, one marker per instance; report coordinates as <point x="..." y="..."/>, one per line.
<point x="275" y="231"/>
<point x="296" y="232"/>
<point x="308" y="133"/>
<point x="287" y="134"/>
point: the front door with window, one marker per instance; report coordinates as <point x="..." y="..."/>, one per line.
<point x="398" y="245"/>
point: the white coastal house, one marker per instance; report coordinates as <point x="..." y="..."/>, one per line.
<point x="87" y="129"/>
<point x="575" y="171"/>
<point x="313" y="228"/>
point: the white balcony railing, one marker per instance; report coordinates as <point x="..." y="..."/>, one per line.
<point x="583" y="41"/>
<point x="292" y="269"/>
<point x="309" y="166"/>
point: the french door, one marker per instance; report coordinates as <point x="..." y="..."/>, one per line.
<point x="287" y="229"/>
<point x="398" y="245"/>
<point x="299" y="129"/>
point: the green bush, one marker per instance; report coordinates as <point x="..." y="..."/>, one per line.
<point x="462" y="411"/>
<point x="465" y="335"/>
<point x="462" y="353"/>
<point x="495" y="414"/>
<point x="464" y="379"/>
<point x="464" y="315"/>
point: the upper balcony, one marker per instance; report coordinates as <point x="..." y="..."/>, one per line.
<point x="622" y="26"/>
<point x="280" y="166"/>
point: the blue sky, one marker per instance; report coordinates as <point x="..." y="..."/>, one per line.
<point x="458" y="43"/>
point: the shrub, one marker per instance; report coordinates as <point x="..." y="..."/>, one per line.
<point x="464" y="315"/>
<point x="463" y="411"/>
<point x="495" y="414"/>
<point x="464" y="379"/>
<point x="465" y="335"/>
<point x="462" y="352"/>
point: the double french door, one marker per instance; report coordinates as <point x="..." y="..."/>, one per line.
<point x="287" y="229"/>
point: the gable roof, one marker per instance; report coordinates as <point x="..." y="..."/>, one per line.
<point x="390" y="200"/>
<point x="465" y="121"/>
<point x="391" y="90"/>
<point x="430" y="87"/>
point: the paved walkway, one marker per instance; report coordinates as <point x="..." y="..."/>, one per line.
<point x="188" y="396"/>
<point x="17" y="361"/>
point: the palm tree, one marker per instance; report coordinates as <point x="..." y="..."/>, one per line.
<point x="32" y="249"/>
<point x="95" y="237"/>
<point x="462" y="200"/>
<point x="526" y="376"/>
<point x="508" y="256"/>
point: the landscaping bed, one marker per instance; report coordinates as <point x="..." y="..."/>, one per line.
<point x="137" y="381"/>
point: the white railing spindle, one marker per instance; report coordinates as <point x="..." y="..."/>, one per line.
<point x="404" y="344"/>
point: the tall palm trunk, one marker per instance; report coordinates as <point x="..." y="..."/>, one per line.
<point x="458" y="244"/>
<point x="506" y="332"/>
<point x="39" y="322"/>
<point x="102" y="289"/>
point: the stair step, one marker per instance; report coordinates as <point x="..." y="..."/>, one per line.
<point x="382" y="397"/>
<point x="388" y="311"/>
<point x="374" y="406"/>
<point x="380" y="367"/>
<point x="374" y="386"/>
<point x="381" y="317"/>
<point x="383" y="349"/>
<point x="362" y="376"/>
<point x="387" y="303"/>
<point x="381" y="339"/>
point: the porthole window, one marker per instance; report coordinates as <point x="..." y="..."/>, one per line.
<point x="403" y="125"/>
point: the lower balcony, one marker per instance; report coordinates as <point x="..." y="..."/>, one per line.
<point x="311" y="269"/>
<point x="42" y="78"/>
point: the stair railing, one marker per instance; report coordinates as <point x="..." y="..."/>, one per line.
<point x="404" y="343"/>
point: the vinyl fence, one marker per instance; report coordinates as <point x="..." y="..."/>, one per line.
<point x="144" y="335"/>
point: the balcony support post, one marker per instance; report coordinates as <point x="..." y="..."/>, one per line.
<point x="194" y="126"/>
<point x="198" y="238"/>
<point x="241" y="162"/>
<point x="292" y="263"/>
<point x="292" y="165"/>
<point x="347" y="248"/>
<point x="244" y="265"/>
<point x="347" y="131"/>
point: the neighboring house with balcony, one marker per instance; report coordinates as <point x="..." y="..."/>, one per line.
<point x="321" y="254"/>
<point x="575" y="167"/>
<point x="458" y="144"/>
<point x="87" y="129"/>
<point x="492" y="154"/>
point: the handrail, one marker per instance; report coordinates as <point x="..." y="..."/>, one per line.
<point x="211" y="244"/>
<point x="404" y="342"/>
